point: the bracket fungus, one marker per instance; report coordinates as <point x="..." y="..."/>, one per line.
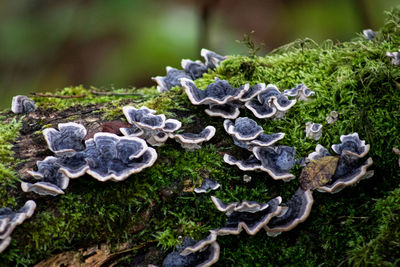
<point x="22" y="104"/>
<point x="51" y="181"/>
<point x="219" y="92"/>
<point x="250" y="164"/>
<point x="191" y="253"/>
<point x="369" y="34"/>
<point x="109" y="157"/>
<point x="192" y="141"/>
<point x="270" y="103"/>
<point x="212" y="59"/>
<point x="248" y="215"/>
<point x="207" y="184"/>
<point x="351" y="166"/>
<point x="165" y="83"/>
<point x="67" y="139"/>
<point x="297" y="210"/>
<point x="195" y="69"/>
<point x="332" y="117"/>
<point x="10" y="219"/>
<point x="276" y="161"/>
<point x="247" y="133"/>
<point x="145" y="124"/>
<point x="300" y="92"/>
<point x="313" y="130"/>
<point x="394" y="57"/>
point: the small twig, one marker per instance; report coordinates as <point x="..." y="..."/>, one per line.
<point x="353" y="217"/>
<point x="57" y="96"/>
<point x="112" y="93"/>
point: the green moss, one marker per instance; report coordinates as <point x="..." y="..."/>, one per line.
<point x="355" y="226"/>
<point x="383" y="247"/>
<point x="8" y="134"/>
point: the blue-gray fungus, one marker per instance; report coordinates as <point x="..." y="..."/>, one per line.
<point x="49" y="180"/>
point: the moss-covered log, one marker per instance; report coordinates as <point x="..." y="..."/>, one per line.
<point x="144" y="217"/>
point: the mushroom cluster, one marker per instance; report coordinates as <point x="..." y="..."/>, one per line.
<point x="222" y="99"/>
<point x="350" y="165"/>
<point x="105" y="157"/>
<point x="156" y="129"/>
<point x="192" y="70"/>
<point x="9" y="219"/>
<point x="147" y="125"/>
<point x="324" y="172"/>
<point x="270" y="102"/>
<point x="50" y="180"/>
<point x="275" y="160"/>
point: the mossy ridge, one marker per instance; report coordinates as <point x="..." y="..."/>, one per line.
<point x="8" y="178"/>
<point x="355" y="78"/>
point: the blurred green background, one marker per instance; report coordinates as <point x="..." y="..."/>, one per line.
<point x="50" y="44"/>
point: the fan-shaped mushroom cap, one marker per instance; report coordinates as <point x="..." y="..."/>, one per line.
<point x="252" y="92"/>
<point x="135" y="115"/>
<point x="109" y="157"/>
<point x="250" y="164"/>
<point x="208" y="184"/>
<point x="297" y="211"/>
<point x="10" y="219"/>
<point x="229" y="110"/>
<point x="300" y="92"/>
<point x="369" y="34"/>
<point x="352" y="145"/>
<point x="191" y="253"/>
<point x="243" y="129"/>
<point x="313" y="130"/>
<point x="52" y="182"/>
<point x="270" y="102"/>
<point x="22" y="104"/>
<point x="277" y="161"/>
<point x="67" y="139"/>
<point x="119" y="157"/>
<point x="394" y="57"/>
<point x="248" y="215"/>
<point x="171" y="125"/>
<point x="165" y="83"/>
<point x="193" y="141"/>
<point x="195" y="69"/>
<point x="220" y="92"/>
<point x="261" y="110"/>
<point x="212" y="59"/>
<point x="266" y="139"/>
